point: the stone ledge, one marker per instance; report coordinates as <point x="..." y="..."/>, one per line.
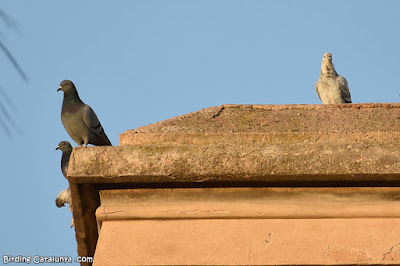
<point x="340" y="160"/>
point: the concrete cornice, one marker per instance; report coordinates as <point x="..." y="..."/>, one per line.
<point x="253" y="143"/>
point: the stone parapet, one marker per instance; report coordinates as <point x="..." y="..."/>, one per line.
<point x="226" y="119"/>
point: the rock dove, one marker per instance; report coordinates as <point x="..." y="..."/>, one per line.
<point x="79" y="119"/>
<point x="331" y="87"/>
<point x="66" y="149"/>
<point x="65" y="195"/>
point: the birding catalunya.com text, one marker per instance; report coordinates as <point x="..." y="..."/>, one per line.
<point x="37" y="259"/>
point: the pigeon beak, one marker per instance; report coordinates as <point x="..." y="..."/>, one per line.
<point x="59" y="88"/>
<point x="58" y="147"/>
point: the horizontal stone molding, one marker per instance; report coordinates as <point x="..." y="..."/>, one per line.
<point x="248" y="203"/>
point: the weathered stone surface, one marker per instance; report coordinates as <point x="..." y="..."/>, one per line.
<point x="273" y="120"/>
<point x="85" y="199"/>
<point x="249" y="226"/>
<point x="339" y="160"/>
<point x="249" y="242"/>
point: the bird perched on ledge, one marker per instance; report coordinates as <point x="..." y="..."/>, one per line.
<point x="331" y="87"/>
<point x="65" y="195"/>
<point x="79" y="119"/>
<point x="66" y="149"/>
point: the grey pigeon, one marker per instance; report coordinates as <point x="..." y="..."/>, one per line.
<point x="331" y="87"/>
<point x="66" y="149"/>
<point x="65" y="195"/>
<point x="79" y="119"/>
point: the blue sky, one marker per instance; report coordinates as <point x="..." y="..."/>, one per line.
<point x="139" y="62"/>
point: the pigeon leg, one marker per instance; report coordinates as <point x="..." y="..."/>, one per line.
<point x="86" y="141"/>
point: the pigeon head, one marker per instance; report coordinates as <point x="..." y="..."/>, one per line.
<point x="328" y="57"/>
<point x="71" y="95"/>
<point x="66" y="86"/>
<point x="64" y="146"/>
<point x="327" y="67"/>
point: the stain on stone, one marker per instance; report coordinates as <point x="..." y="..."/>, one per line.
<point x="342" y="254"/>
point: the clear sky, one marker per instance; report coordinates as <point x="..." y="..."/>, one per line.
<point x="139" y="62"/>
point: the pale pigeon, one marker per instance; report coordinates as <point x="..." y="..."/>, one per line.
<point x="79" y="119"/>
<point x="331" y="87"/>
<point x="64" y="197"/>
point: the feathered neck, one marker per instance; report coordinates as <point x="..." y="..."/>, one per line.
<point x="71" y="97"/>
<point x="65" y="162"/>
<point x="66" y="154"/>
<point x="327" y="69"/>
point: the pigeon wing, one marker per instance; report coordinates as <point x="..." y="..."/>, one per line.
<point x="316" y="88"/>
<point x="94" y="125"/>
<point x="344" y="88"/>
<point x="64" y="166"/>
<point x="91" y="120"/>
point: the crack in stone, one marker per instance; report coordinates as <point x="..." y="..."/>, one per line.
<point x="219" y="112"/>
<point x="249" y="254"/>
<point x="196" y="211"/>
<point x="107" y="213"/>
<point x="390" y="251"/>
<point x="325" y="253"/>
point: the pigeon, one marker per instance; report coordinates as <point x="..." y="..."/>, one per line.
<point x="331" y="87"/>
<point x="66" y="149"/>
<point x="65" y="195"/>
<point x="79" y="119"/>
